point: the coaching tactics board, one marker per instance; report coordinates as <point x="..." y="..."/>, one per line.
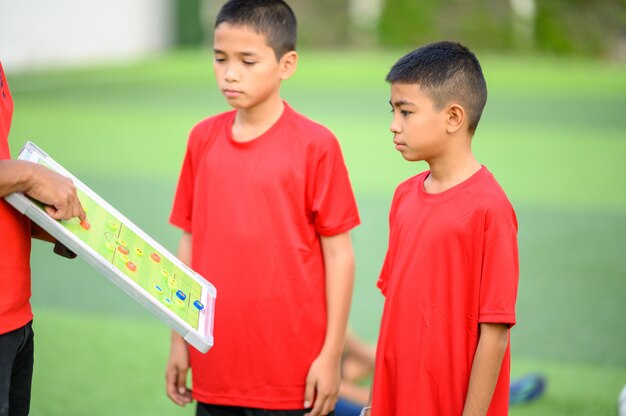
<point x="129" y="257"/>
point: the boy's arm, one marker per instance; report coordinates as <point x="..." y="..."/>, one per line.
<point x="322" y="384"/>
<point x="57" y="192"/>
<point x="178" y="362"/>
<point x="492" y="345"/>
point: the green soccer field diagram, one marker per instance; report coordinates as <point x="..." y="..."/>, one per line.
<point x="132" y="255"/>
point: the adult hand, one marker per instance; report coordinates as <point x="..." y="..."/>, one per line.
<point x="322" y="386"/>
<point x="176" y="372"/>
<point x="56" y="192"/>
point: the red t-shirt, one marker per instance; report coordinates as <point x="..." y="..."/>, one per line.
<point x="452" y="263"/>
<point x="256" y="211"/>
<point x="15" y="309"/>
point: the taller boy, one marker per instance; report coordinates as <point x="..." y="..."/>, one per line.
<point x="451" y="270"/>
<point x="266" y="206"/>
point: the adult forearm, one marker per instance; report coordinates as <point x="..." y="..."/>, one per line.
<point x="55" y="191"/>
<point x="15" y="176"/>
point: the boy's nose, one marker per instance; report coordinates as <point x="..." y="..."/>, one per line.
<point x="230" y="75"/>
<point x="393" y="127"/>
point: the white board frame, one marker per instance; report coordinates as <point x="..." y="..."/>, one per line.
<point x="201" y="338"/>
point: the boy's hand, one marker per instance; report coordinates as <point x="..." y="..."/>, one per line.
<point x="176" y="372"/>
<point x="322" y="386"/>
<point x="56" y="191"/>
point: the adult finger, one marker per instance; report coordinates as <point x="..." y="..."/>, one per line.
<point x="52" y="211"/>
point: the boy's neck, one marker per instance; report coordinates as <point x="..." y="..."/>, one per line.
<point x="447" y="172"/>
<point x="251" y="123"/>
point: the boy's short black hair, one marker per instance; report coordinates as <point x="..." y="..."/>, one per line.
<point x="273" y="19"/>
<point x="447" y="71"/>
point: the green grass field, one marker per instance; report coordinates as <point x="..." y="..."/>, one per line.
<point x="553" y="133"/>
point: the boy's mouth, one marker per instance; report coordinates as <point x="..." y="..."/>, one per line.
<point x="229" y="93"/>
<point x="398" y="143"/>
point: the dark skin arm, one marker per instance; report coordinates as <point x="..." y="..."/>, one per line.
<point x="57" y="192"/>
<point x="40" y="234"/>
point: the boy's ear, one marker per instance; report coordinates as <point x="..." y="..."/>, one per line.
<point x="455" y="117"/>
<point x="288" y="64"/>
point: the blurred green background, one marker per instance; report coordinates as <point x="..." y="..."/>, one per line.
<point x="552" y="133"/>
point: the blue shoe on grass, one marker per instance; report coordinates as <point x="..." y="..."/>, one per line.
<point x="527" y="388"/>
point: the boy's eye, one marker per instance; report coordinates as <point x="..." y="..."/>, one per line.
<point x="404" y="113"/>
<point x="217" y="59"/>
<point x="249" y="62"/>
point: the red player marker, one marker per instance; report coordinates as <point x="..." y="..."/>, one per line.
<point x="131" y="266"/>
<point x="85" y="224"/>
<point x="123" y="250"/>
<point x="155" y="257"/>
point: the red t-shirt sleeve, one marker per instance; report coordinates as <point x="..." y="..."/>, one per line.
<point x="383" y="277"/>
<point x="500" y="273"/>
<point x="182" y="210"/>
<point x="332" y="203"/>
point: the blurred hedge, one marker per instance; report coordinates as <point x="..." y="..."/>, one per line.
<point x="584" y="27"/>
<point x="480" y="22"/>
<point x="587" y="27"/>
<point x="189" y="27"/>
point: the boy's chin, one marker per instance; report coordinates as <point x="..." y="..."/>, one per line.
<point x="410" y="158"/>
<point x="238" y="105"/>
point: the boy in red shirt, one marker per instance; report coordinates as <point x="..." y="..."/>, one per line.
<point x="266" y="206"/>
<point x="451" y="270"/>
<point x="59" y="195"/>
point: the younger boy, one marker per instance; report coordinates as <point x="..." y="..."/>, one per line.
<point x="266" y="207"/>
<point x="451" y="270"/>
